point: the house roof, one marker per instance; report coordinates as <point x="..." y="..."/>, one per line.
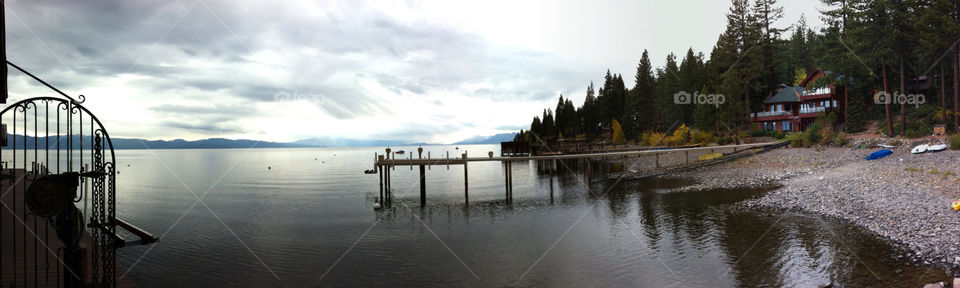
<point x="786" y="95"/>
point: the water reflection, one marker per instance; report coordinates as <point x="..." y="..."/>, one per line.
<point x="305" y="217"/>
<point x="642" y="233"/>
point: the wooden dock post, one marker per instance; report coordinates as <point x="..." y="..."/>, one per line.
<point x="423" y="179"/>
<point x="658" y="160"/>
<point x="589" y="168"/>
<point x="506" y="182"/>
<point x="380" y="171"/>
<point x="466" y="186"/>
<point x="509" y="182"/>
<point x="686" y="154"/>
<point x="388" y="197"/>
<point x="552" y="164"/>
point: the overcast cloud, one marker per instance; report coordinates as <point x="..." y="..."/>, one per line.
<point x="285" y="70"/>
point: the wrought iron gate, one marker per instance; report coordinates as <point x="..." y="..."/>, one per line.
<point x="56" y="147"/>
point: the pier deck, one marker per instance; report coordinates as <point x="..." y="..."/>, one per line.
<point x="384" y="162"/>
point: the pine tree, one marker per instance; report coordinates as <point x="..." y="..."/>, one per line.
<point x="739" y="82"/>
<point x="641" y="102"/>
<point x="589" y="113"/>
<point x="766" y="13"/>
<point x="691" y="79"/>
<point x="799" y="51"/>
<point x="670" y="115"/>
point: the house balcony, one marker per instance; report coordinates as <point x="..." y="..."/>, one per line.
<point x="817" y="94"/>
<point x="814" y="112"/>
<point x="805" y="110"/>
<point x="818" y="91"/>
<point x="771" y="115"/>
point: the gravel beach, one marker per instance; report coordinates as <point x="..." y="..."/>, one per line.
<point x="904" y="197"/>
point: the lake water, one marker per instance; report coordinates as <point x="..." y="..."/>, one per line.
<point x="309" y="220"/>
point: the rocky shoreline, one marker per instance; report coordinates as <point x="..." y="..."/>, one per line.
<point x="903" y="197"/>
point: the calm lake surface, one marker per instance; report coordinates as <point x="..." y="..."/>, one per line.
<point x="309" y="221"/>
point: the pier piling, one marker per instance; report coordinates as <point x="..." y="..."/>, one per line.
<point x="552" y="164"/>
<point x="423" y="179"/>
<point x="387" y="162"/>
<point x="380" y="172"/>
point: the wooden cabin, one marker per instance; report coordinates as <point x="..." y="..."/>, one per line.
<point x="793" y="109"/>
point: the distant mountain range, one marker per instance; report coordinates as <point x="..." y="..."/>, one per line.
<point x="495" y="139"/>
<point x="19" y="141"/>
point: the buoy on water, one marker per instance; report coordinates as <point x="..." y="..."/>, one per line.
<point x="376" y="206"/>
<point x="268" y="168"/>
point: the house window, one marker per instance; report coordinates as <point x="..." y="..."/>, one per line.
<point x="786" y="126"/>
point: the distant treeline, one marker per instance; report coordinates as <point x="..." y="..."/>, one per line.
<point x="868" y="45"/>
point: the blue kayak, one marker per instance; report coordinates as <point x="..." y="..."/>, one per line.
<point x="879" y="154"/>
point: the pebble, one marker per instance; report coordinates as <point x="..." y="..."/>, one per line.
<point x="907" y="206"/>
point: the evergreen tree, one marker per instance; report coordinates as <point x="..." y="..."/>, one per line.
<point x="549" y="128"/>
<point x="799" y="52"/>
<point x="669" y="113"/>
<point x="765" y="14"/>
<point x="641" y="104"/>
<point x="589" y="113"/>
<point x="691" y="79"/>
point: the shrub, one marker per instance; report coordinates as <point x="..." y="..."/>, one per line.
<point x="644" y="139"/>
<point x="794" y="139"/>
<point x="775" y="134"/>
<point x="724" y="140"/>
<point x="954" y="142"/>
<point x="758" y="133"/>
<point x="701" y="137"/>
<point x="807" y="138"/>
<point x="656" y="139"/>
<point x="826" y="134"/>
<point x="841" y="139"/>
<point x="681" y="135"/>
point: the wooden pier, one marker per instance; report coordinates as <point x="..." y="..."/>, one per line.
<point x="386" y="161"/>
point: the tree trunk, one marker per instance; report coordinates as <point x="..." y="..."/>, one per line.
<point x="943" y="97"/>
<point x="903" y="89"/>
<point x="956" y="90"/>
<point x="887" y="104"/>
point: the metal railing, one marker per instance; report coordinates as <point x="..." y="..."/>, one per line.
<point x="770" y="113"/>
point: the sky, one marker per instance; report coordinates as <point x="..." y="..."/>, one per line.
<point x="422" y="71"/>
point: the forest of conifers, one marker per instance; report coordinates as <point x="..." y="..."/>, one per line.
<point x="867" y="45"/>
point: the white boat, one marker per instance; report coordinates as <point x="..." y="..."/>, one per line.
<point x="938" y="147"/>
<point x="920" y="149"/>
<point x="885" y="146"/>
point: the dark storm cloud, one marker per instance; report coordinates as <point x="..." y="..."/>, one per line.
<point x="254" y="51"/>
<point x="217" y="118"/>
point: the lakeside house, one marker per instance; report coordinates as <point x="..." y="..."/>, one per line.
<point x="795" y="108"/>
